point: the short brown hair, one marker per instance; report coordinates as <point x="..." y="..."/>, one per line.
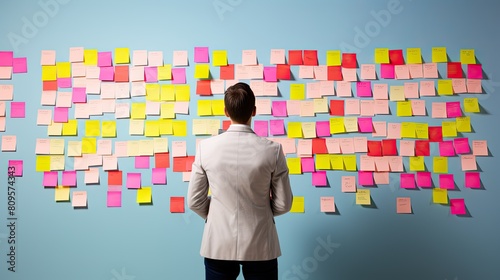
<point x="239" y="101"/>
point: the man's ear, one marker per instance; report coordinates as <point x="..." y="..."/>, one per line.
<point x="225" y="112"/>
<point x="254" y="112"/>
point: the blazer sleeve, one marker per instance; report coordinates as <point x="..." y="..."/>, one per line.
<point x="197" y="199"/>
<point x="281" y="192"/>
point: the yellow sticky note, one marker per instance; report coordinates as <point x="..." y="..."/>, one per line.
<point x="363" y="197"/>
<point x="144" y="195"/>
<point x="219" y="58"/>
<point x="403" y="109"/>
<point x="54" y="129"/>
<point x="439" y="54"/>
<point x="165" y="72"/>
<point x="467" y="56"/>
<point x="152" y="128"/>
<point x="351" y="124"/>
<point x="202" y="71"/>
<point x="167" y="110"/>
<point x="463" y="124"/>
<point x="42" y="163"/>
<point x="297" y="91"/>
<point x="440" y="164"/>
<point x="61" y="193"/>
<point x="440" y="196"/>
<point x="182" y="92"/>
<point x="70" y="128"/>
<point x="294" y="130"/>
<point x="49" y="73"/>
<point x="422" y="130"/>
<point x="322" y="162"/>
<point x="153" y="92"/>
<point x="349" y="162"/>
<point x="89" y="145"/>
<point x="122" y="55"/>
<point x="63" y="69"/>
<point x="445" y="87"/>
<point x="337" y="162"/>
<point x="204" y="108"/>
<point x="333" y="58"/>
<point x="397" y="93"/>
<point x="408" y="130"/>
<point x="337" y="125"/>
<point x="471" y="105"/>
<point x="320" y="105"/>
<point x="309" y="130"/>
<point x="90" y="57"/>
<point x="417" y="163"/>
<point x="413" y="56"/>
<point x="167" y="93"/>
<point x="297" y="205"/>
<point x="108" y="129"/>
<point x="138" y="111"/>
<point x="74" y="148"/>
<point x="56" y="146"/>
<point x="218" y="107"/>
<point x="294" y="165"/>
<point x="449" y="129"/>
<point x="382" y="55"/>
<point x="92" y="128"/>
<point x="57" y="162"/>
<point x="166" y="127"/>
<point x="136" y="127"/>
<point x="179" y="128"/>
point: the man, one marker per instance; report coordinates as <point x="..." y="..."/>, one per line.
<point x="249" y="185"/>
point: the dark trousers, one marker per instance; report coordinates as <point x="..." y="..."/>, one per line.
<point x="252" y="270"/>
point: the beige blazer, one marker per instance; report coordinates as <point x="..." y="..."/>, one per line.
<point x="243" y="172"/>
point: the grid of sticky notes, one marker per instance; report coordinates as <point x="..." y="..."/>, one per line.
<point x="9" y="108"/>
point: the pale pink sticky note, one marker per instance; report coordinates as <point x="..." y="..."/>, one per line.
<point x="313" y="90"/>
<point x="344" y="89"/>
<point x="179" y="149"/>
<point x="416" y="71"/>
<point x="407" y="148"/>
<point x="418" y="107"/>
<point x="304" y="148"/>
<point x="277" y="56"/>
<point x="79" y="199"/>
<point x="349" y="74"/>
<point x="155" y="58"/>
<point x="327" y="204"/>
<point x="403" y="205"/>
<point x="7" y="92"/>
<point x="48" y="57"/>
<point x="367" y="108"/>
<point x="320" y="73"/>
<point x="438" y="109"/>
<point x="427" y="88"/>
<point x="411" y="90"/>
<point x="360" y="144"/>
<point x="380" y="91"/>
<point x="368" y="72"/>
<point x="42" y="146"/>
<point x="381" y="107"/>
<point x="326" y="88"/>
<point x="366" y="163"/>
<point x="430" y="70"/>
<point x="480" y="147"/>
<point x="402" y="72"/>
<point x="382" y="164"/>
<point x="352" y="107"/>
<point x="396" y="163"/>
<point x="348" y="184"/>
<point x="381" y="178"/>
<point x="76" y="54"/>
<point x="474" y="86"/>
<point x="468" y="162"/>
<point x="306" y="72"/>
<point x="347" y="145"/>
<point x="9" y="143"/>
<point x="333" y="145"/>
<point x="263" y="106"/>
<point x="459" y="85"/>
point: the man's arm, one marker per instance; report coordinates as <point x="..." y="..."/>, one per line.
<point x="198" y="199"/>
<point x="281" y="192"/>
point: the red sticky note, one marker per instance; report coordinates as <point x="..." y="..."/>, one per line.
<point x="121" y="73"/>
<point x="349" y="60"/>
<point x="180" y="164"/>
<point x="334" y="73"/>
<point x="283" y="72"/>
<point x="472" y="180"/>
<point x="474" y="71"/>
<point x="311" y="57"/>
<point x="162" y="160"/>
<point x="227" y="72"/>
<point x="319" y="179"/>
<point x="407" y="180"/>
<point x="49" y="85"/>
<point x="189" y="163"/>
<point x="307" y="164"/>
<point x="457" y="206"/>
<point x="454" y="70"/>
<point x="387" y="71"/>
<point x="374" y="148"/>
<point x="203" y="88"/>
<point x="365" y="178"/>
<point x="446" y="181"/>
<point x="396" y="57"/>
<point x="319" y="146"/>
<point x="19" y="65"/>
<point x="295" y="57"/>
<point x="226" y="124"/>
<point x="337" y="107"/>
<point x="389" y="147"/>
<point x="422" y="148"/>
<point x="424" y="179"/>
<point x="115" y="178"/>
<point x="435" y="134"/>
<point x="177" y="204"/>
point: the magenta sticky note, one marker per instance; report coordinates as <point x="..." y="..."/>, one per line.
<point x="472" y="180"/>
<point x="114" y="199"/>
<point x="178" y="75"/>
<point x="446" y="181"/>
<point x="407" y="180"/>
<point x="364" y="89"/>
<point x="323" y="129"/>
<point x="387" y="71"/>
<point x="6" y="58"/>
<point x="151" y="74"/>
<point x="270" y="74"/>
<point x="474" y="71"/>
<point x="446" y="149"/>
<point x="457" y="206"/>
<point x="64" y="82"/>
<point x="104" y="59"/>
<point x="60" y="115"/>
<point x="159" y="176"/>
<point x="365" y="178"/>
<point x="461" y="145"/>
<point x="107" y="73"/>
<point x="17" y="109"/>
<point x="277" y="127"/>
<point x="201" y="55"/>
<point x="261" y="128"/>
<point x="424" y="179"/>
<point x="20" y="65"/>
<point x="79" y="95"/>
<point x="279" y="109"/>
<point x="307" y="164"/>
<point x="50" y="178"/>
<point x="133" y="180"/>
<point x="319" y="179"/>
<point x="453" y="109"/>
<point x="18" y="167"/>
<point x="142" y="162"/>
<point x="69" y="178"/>
<point x="365" y="124"/>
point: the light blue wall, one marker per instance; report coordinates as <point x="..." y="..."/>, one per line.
<point x="148" y="242"/>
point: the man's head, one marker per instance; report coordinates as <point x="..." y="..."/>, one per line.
<point x="239" y="102"/>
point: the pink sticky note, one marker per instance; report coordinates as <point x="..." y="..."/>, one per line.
<point x="474" y="71"/>
<point x="319" y="179"/>
<point x="201" y="55"/>
<point x="365" y="125"/>
<point x="468" y="162"/>
<point x="381" y="178"/>
<point x="307" y="164"/>
<point x="270" y="74"/>
<point x="107" y="73"/>
<point x="430" y="70"/>
<point x="427" y="88"/>
<point x="104" y="59"/>
<point x="151" y="74"/>
<point x="50" y="179"/>
<point x="279" y="109"/>
<point x="60" y="115"/>
<point x="480" y="147"/>
<point x="261" y="128"/>
<point x="424" y="179"/>
<point x="446" y="181"/>
<point x="17" y="109"/>
<point x="277" y="127"/>
<point x="327" y="204"/>
<point x="446" y="149"/>
<point x="461" y="145"/>
<point x="79" y="95"/>
<point x="18" y="167"/>
<point x="178" y="75"/>
<point x="402" y="72"/>
<point x="407" y="180"/>
<point x="159" y="176"/>
<point x="133" y="180"/>
<point x="142" y="162"/>
<point x="69" y="178"/>
<point x="348" y="184"/>
<point x="364" y="89"/>
<point x="365" y="178"/>
<point x="380" y="91"/>
<point x="6" y="58"/>
<point x="457" y="206"/>
<point x="323" y="129"/>
<point x="387" y="71"/>
<point x="472" y="180"/>
<point x="114" y="199"/>
<point x="453" y="109"/>
<point x="20" y="65"/>
<point x="403" y="205"/>
<point x="64" y="82"/>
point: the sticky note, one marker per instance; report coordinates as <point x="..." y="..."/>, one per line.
<point x="463" y="124"/>
<point x="122" y="55"/>
<point x="461" y="145"/>
<point x="319" y="178"/>
<point x="446" y="181"/>
<point x="417" y="163"/>
<point x="439" y="54"/>
<point x="472" y="180"/>
<point x="348" y="183"/>
<point x="404" y="109"/>
<point x="219" y="58"/>
<point x="424" y="179"/>
<point x="177" y="204"/>
<point x="471" y="105"/>
<point x="480" y="147"/>
<point x="403" y="205"/>
<point x="159" y="176"/>
<point x="381" y="55"/>
<point x="449" y="129"/>
<point x="467" y="56"/>
<point x="79" y="199"/>
<point x="445" y="87"/>
<point x="144" y="195"/>
<point x="297" y="204"/>
<point x="333" y="58"/>
<point x="17" y="109"/>
<point x="440" y="196"/>
<point x="327" y="204"/>
<point x="61" y="193"/>
<point x="363" y="197"/>
<point x="114" y="199"/>
<point x="387" y="71"/>
<point x="440" y="164"/>
<point x="413" y="56"/>
<point x="294" y="165"/>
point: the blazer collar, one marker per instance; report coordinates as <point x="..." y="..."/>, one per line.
<point x="240" y="128"/>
